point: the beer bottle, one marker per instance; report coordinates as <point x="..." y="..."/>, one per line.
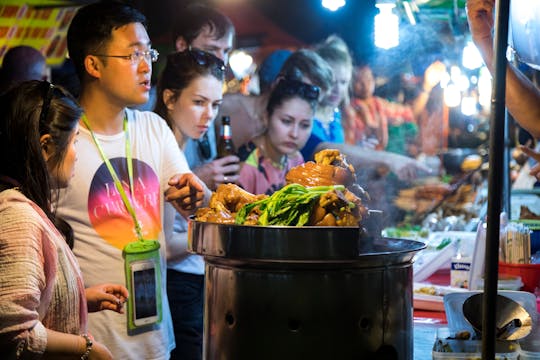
<point x="225" y="144"/>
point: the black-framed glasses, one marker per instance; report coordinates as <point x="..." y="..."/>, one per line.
<point x="47" y="97"/>
<point x="150" y="55"/>
<point x="295" y="87"/>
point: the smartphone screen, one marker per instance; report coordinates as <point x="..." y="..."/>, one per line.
<point x="144" y="285"/>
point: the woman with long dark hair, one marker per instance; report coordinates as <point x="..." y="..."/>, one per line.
<point x="43" y="302"/>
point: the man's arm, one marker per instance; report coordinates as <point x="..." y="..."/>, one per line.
<point x="522" y="97"/>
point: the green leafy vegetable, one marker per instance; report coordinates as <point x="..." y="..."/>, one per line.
<point x="289" y="206"/>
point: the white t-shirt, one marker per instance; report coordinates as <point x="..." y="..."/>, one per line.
<point x="102" y="225"/>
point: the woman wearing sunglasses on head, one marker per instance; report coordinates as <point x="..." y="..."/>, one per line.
<point x="189" y="94"/>
<point x="43" y="302"/>
<point x="288" y="120"/>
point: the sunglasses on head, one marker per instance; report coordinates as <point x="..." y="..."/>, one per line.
<point x="48" y="90"/>
<point x="295" y="87"/>
<point x="202" y="58"/>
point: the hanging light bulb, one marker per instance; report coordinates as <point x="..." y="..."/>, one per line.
<point x="333" y="5"/>
<point x="386" y="27"/>
<point x="240" y="63"/>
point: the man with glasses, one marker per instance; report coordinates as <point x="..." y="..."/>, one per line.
<point x="129" y="165"/>
<point x="204" y="30"/>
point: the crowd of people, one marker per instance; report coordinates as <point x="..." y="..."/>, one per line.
<point x="84" y="179"/>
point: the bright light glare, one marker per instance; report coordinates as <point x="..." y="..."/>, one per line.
<point x="452" y="95"/>
<point x="471" y="58"/>
<point x="484" y="88"/>
<point x="463" y="83"/>
<point x="333" y="5"/>
<point x="240" y="63"/>
<point x="445" y="79"/>
<point x="468" y="106"/>
<point x="386" y="27"/>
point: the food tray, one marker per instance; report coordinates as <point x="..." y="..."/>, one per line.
<point x="432" y="302"/>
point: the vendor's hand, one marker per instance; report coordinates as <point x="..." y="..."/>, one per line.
<point x="480" y="18"/>
<point x="406" y="168"/>
<point x="219" y="171"/>
<point x="535" y="170"/>
<point x="187" y="193"/>
<point x="106" y="297"/>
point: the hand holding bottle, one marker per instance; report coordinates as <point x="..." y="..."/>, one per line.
<point x="219" y="171"/>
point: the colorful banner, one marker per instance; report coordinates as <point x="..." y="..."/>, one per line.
<point x="42" y="27"/>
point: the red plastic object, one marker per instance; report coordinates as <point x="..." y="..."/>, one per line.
<point x="530" y="274"/>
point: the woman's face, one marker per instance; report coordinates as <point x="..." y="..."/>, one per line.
<point x="363" y="83"/>
<point x="65" y="169"/>
<point x="197" y="105"/>
<point x="340" y="87"/>
<point x="289" y="126"/>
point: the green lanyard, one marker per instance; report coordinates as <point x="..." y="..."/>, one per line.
<point x="117" y="182"/>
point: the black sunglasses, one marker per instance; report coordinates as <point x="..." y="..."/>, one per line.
<point x="202" y="58"/>
<point x="48" y="91"/>
<point x="295" y="87"/>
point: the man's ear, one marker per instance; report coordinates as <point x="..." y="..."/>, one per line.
<point x="168" y="99"/>
<point x="47" y="147"/>
<point x="92" y="66"/>
<point x="181" y="44"/>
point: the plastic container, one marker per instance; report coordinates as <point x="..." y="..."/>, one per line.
<point x="431" y="259"/>
<point x="529" y="273"/>
<point x="534" y="225"/>
<point x="472" y="349"/>
<point x="505" y="282"/>
<point x="528" y="355"/>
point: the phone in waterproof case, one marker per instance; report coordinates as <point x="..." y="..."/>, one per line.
<point x="144" y="282"/>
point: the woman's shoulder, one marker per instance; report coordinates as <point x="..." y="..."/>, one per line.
<point x="18" y="213"/>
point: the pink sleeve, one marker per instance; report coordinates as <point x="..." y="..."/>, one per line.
<point x="24" y="279"/>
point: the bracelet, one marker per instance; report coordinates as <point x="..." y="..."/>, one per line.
<point x="89" y="344"/>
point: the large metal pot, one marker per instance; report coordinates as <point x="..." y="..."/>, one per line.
<point x="304" y="292"/>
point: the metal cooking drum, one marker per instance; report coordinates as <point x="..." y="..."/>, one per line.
<point x="304" y="292"/>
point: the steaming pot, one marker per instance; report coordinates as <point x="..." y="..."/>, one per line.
<point x="304" y="292"/>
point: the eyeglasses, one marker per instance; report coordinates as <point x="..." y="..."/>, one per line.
<point x="150" y="55"/>
<point x="295" y="87"/>
<point x="47" y="97"/>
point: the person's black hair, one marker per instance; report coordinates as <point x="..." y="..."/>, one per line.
<point x="191" y="20"/>
<point x="29" y="111"/>
<point x="286" y="89"/>
<point x="91" y="29"/>
<point x="181" y="69"/>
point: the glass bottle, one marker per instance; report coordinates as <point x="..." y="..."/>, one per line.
<point x="225" y="144"/>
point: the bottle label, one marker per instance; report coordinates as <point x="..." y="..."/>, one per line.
<point x="226" y="132"/>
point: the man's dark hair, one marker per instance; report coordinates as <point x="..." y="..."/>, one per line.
<point x="91" y="29"/>
<point x="193" y="18"/>
<point x="21" y="63"/>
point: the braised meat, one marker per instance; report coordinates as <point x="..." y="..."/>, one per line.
<point x="316" y="194"/>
